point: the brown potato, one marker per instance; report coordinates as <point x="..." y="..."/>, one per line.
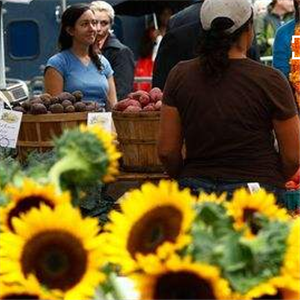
<point x="38" y="109"/>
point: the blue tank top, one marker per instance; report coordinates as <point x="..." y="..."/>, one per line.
<point x="85" y="78"/>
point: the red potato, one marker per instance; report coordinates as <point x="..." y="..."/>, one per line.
<point x="144" y="100"/>
<point x="156" y="94"/>
<point x="132" y="108"/>
<point x="123" y="104"/>
<point x="136" y="95"/>
<point x="149" y="107"/>
<point x="158" y="105"/>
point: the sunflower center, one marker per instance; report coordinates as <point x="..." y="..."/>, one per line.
<point x="56" y="258"/>
<point x="249" y="217"/>
<point x="154" y="228"/>
<point x="19" y="296"/>
<point x="25" y="205"/>
<point x="182" y="285"/>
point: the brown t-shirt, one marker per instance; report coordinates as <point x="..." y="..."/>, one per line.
<point x="227" y="126"/>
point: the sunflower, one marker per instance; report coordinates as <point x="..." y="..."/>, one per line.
<point x="30" y="194"/>
<point x="279" y="287"/>
<point x="180" y="278"/>
<point x="28" y="289"/>
<point x="60" y="248"/>
<point x="152" y="221"/>
<point x="204" y="197"/>
<point x="244" y="207"/>
<point x="291" y="263"/>
<point x="107" y="139"/>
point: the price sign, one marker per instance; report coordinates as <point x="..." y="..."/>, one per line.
<point x="10" y="122"/>
<point x="104" y="119"/>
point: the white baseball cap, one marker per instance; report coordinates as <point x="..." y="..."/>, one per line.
<point x="238" y="11"/>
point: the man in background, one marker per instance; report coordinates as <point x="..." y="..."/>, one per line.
<point x="180" y="43"/>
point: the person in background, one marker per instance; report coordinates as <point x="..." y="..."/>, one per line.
<point x="181" y="41"/>
<point x="260" y="8"/>
<point x="144" y="64"/>
<point x="278" y="13"/>
<point x="77" y="66"/>
<point x="120" y="56"/>
<point x="148" y="48"/>
<point x="225" y="106"/>
<point x="282" y="52"/>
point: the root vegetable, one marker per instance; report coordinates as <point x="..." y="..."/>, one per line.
<point x="69" y="109"/>
<point x="66" y="103"/>
<point x="158" y="105"/>
<point x="80" y="106"/>
<point x="144" y="100"/>
<point x="66" y="96"/>
<point x="132" y="108"/>
<point x="54" y="100"/>
<point x="149" y="107"/>
<point x="123" y="104"/>
<point x="136" y="95"/>
<point x="38" y="109"/>
<point x="26" y="105"/>
<point x="78" y="95"/>
<point x="156" y="94"/>
<point x="56" y="108"/>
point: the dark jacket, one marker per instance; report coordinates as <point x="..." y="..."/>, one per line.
<point x="180" y="43"/>
<point x="186" y="16"/>
<point x="121" y="59"/>
<point x="177" y="44"/>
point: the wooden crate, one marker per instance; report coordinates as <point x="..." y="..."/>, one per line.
<point x="37" y="131"/>
<point x="137" y="136"/>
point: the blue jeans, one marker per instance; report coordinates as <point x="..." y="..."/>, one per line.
<point x="218" y="187"/>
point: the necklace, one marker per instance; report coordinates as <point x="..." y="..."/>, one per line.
<point x="294" y="75"/>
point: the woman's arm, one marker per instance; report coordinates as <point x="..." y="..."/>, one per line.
<point x="112" y="95"/>
<point x="53" y="82"/>
<point x="170" y="140"/>
<point x="288" y="137"/>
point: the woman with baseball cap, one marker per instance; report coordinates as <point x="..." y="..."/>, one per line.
<point x="225" y="108"/>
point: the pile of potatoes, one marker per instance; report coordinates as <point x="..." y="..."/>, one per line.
<point x="63" y="103"/>
<point x="140" y="101"/>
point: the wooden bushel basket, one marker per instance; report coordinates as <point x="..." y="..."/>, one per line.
<point x="37" y="131"/>
<point x="137" y="137"/>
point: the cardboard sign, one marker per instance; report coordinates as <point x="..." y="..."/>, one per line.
<point x="10" y="122"/>
<point x="104" y="119"/>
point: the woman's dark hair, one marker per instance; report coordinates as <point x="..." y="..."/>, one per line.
<point x="68" y="19"/>
<point x="214" y="45"/>
<point x="296" y="5"/>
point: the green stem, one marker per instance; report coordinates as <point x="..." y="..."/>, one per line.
<point x="67" y="163"/>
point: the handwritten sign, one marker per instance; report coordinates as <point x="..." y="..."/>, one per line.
<point x="10" y="122"/>
<point x="104" y="119"/>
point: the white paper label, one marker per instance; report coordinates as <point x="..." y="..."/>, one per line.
<point x="104" y="119"/>
<point x="253" y="187"/>
<point x="10" y="122"/>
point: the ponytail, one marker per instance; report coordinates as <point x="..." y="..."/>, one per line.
<point x="214" y="46"/>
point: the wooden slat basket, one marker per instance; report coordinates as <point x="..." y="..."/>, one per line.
<point x="137" y="136"/>
<point x="37" y="131"/>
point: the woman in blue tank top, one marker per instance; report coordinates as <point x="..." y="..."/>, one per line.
<point x="77" y="66"/>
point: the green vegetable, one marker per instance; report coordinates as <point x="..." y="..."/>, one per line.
<point x="82" y="159"/>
